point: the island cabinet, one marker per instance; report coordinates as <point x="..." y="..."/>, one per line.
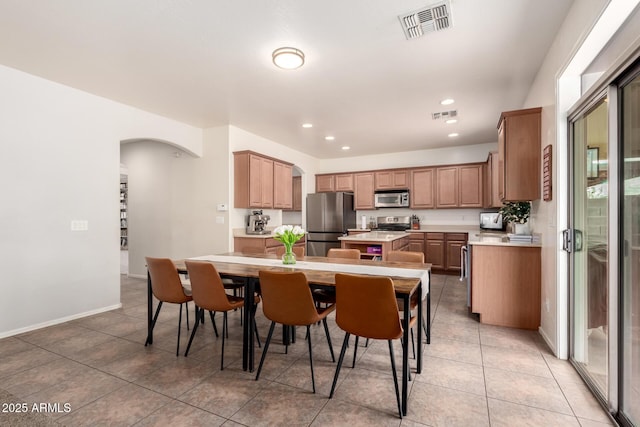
<point x="459" y="186"/>
<point x="264" y="244"/>
<point x="519" y="155"/>
<point x="422" y="194"/>
<point x="376" y="243"/>
<point x="364" y="190"/>
<point x="254" y="178"/>
<point x="392" y="179"/>
<point x="505" y="285"/>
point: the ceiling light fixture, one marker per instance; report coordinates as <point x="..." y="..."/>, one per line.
<point x="288" y="58"/>
<point x="346" y="147"/>
<point x="452" y="135"/>
<point x="330" y="138"/>
<point x="447" y="101"/>
<point x="451" y="121"/>
<point x="307" y="125"/>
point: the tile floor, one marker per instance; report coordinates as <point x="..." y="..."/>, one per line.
<point x="473" y="375"/>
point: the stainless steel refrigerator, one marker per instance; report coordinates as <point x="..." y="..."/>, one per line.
<point x="329" y="215"/>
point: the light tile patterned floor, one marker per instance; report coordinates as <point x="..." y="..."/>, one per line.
<point x="473" y="375"/>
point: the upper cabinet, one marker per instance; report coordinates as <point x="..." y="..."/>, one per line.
<point x="327" y="183"/>
<point x="422" y="194"/>
<point x="519" y="155"/>
<point x="447" y="187"/>
<point x="297" y="193"/>
<point x="491" y="187"/>
<point x="392" y="179"/>
<point x="364" y="190"/>
<point x="256" y="184"/>
<point x="459" y="186"/>
<point x="344" y="182"/>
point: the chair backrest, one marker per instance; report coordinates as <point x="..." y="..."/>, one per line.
<point x="207" y="289"/>
<point x="297" y="250"/>
<point x="286" y="298"/>
<point x="366" y="306"/>
<point x="343" y="253"/>
<point x="165" y="281"/>
<point x="405" y="256"/>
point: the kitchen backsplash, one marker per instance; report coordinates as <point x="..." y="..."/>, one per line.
<point x="430" y="216"/>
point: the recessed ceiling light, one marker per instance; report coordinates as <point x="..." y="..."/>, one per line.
<point x="451" y="121"/>
<point x="447" y="101"/>
<point x="307" y="125"/>
<point x="346" y="147"/>
<point x="452" y="135"/>
<point x="330" y="138"/>
<point x="288" y="58"/>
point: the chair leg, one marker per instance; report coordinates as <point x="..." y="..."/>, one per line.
<point x="313" y="380"/>
<point x="224" y="327"/>
<point x="413" y="344"/>
<point x="193" y="334"/>
<point x="326" y="332"/>
<point x="186" y="308"/>
<point x="266" y="347"/>
<point x="355" y="352"/>
<point x="255" y="328"/>
<point x="179" y="327"/>
<point x="345" y="342"/>
<point x="213" y="322"/>
<point x="395" y="377"/>
<point x="155" y="316"/>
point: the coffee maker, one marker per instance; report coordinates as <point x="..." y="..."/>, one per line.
<point x="256" y="223"/>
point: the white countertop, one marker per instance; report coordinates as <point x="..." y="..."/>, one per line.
<point x="375" y="236"/>
<point x="501" y="239"/>
<point x="434" y="228"/>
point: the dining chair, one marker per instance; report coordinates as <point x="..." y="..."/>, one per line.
<point x="366" y="306"/>
<point x="167" y="287"/>
<point x="209" y="294"/>
<point x="328" y="296"/>
<point x="286" y="299"/>
<point x="413" y="257"/>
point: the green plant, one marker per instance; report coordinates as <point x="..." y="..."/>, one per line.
<point x="516" y="212"/>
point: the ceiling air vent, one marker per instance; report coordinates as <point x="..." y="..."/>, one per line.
<point x="435" y="17"/>
<point x="444" y="115"/>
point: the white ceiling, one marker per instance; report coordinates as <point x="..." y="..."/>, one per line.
<point x="208" y="63"/>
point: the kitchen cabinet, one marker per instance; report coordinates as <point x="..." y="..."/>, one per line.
<point x="459" y="186"/>
<point x="282" y="185"/>
<point x="434" y="250"/>
<point x="491" y="191"/>
<point x="454" y="244"/>
<point x="260" y="244"/>
<point x="416" y="242"/>
<point x="519" y="155"/>
<point x="505" y="285"/>
<point x="364" y="190"/>
<point x="447" y="187"/>
<point x="442" y="251"/>
<point x="297" y="193"/>
<point x="392" y="179"/>
<point x="325" y="183"/>
<point x="254" y="176"/>
<point x="383" y="241"/>
<point x="344" y="182"/>
<point x="422" y="194"/>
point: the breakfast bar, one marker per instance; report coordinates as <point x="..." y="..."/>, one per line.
<point x="376" y="243"/>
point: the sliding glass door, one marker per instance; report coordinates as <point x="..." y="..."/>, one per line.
<point x="630" y="251"/>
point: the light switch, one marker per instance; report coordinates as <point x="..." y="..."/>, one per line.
<point x="79" y="225"/>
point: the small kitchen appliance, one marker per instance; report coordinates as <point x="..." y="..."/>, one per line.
<point x="257" y="222"/>
<point x="392" y="199"/>
<point x="394" y="223"/>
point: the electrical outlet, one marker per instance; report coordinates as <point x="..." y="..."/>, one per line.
<point x="79" y="225"/>
<point x="546" y="304"/>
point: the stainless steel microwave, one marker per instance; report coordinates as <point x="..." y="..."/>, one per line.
<point x="392" y="199"/>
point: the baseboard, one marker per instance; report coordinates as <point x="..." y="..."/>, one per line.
<point x="545" y="337"/>
<point x="58" y="321"/>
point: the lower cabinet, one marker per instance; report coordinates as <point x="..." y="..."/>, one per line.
<point x="263" y="244"/>
<point x="434" y="252"/>
<point x="442" y="251"/>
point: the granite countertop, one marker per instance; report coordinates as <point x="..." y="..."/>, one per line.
<point x="375" y="236"/>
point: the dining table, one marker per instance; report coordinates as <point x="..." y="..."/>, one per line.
<point x="410" y="280"/>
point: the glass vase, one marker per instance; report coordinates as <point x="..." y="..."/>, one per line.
<point x="288" y="257"/>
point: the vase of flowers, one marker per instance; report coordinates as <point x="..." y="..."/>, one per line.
<point x="288" y="235"/>
<point x="517" y="213"/>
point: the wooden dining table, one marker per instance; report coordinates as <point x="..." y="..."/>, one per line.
<point x="247" y="269"/>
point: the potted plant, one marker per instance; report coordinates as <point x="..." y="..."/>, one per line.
<point x="518" y="214"/>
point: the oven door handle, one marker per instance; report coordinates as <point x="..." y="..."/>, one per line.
<point x="463" y="263"/>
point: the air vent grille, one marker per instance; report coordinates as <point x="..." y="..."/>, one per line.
<point x="436" y="17"/>
<point x="444" y="115"/>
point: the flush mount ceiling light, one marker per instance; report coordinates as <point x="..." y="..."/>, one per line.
<point x="452" y="135"/>
<point x="346" y="147"/>
<point x="451" y="121"/>
<point x="307" y="125"/>
<point x="447" y="101"/>
<point x="288" y="58"/>
<point x="329" y="138"/>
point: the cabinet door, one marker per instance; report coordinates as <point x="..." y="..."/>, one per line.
<point x="470" y="183"/>
<point x="255" y="184"/>
<point x="325" y="183"/>
<point x="266" y="183"/>
<point x="435" y="250"/>
<point x="422" y="192"/>
<point x="453" y="260"/>
<point x="282" y="186"/>
<point x="416" y="246"/>
<point x="297" y="193"/>
<point x="392" y="180"/>
<point x="501" y="148"/>
<point x="363" y="187"/>
<point x="491" y="188"/>
<point x="447" y="187"/>
<point x="344" y="182"/>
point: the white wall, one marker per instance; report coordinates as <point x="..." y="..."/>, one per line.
<point x="60" y="162"/>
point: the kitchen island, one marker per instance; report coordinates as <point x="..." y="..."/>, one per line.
<point x="376" y="243"/>
<point x="505" y="281"/>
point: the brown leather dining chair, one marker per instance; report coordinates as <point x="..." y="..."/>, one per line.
<point x="209" y="294"/>
<point x="414" y="257"/>
<point x="286" y="299"/>
<point x="366" y="306"/>
<point x="167" y="287"/>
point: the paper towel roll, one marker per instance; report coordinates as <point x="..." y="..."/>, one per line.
<point x="363" y="223"/>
